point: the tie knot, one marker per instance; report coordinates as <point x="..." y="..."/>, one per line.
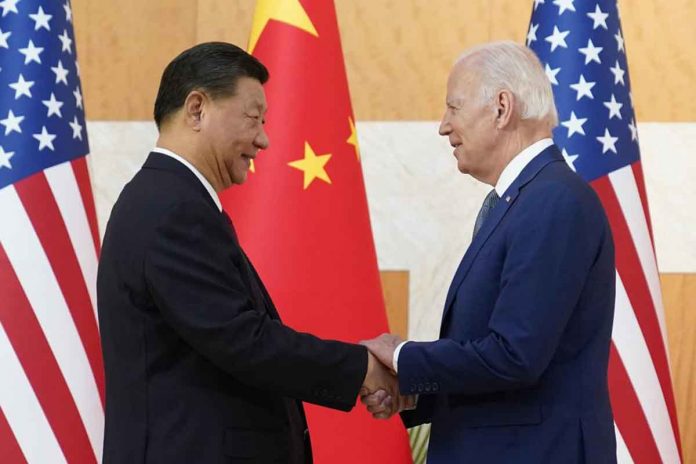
<point x="491" y="199"/>
<point x="488" y="204"/>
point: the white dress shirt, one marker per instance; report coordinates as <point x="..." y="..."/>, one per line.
<point x="199" y="176"/>
<point x="518" y="163"/>
<point x="507" y="177"/>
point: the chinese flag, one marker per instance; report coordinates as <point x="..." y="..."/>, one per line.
<point x="302" y="214"/>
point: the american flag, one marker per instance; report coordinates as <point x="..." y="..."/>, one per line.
<point x="51" y="373"/>
<point x="581" y="45"/>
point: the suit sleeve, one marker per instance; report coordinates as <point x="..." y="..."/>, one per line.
<point x="422" y="414"/>
<point x="192" y="272"/>
<point x="551" y="246"/>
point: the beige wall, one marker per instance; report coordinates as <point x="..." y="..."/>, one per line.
<point x="397" y="51"/>
<point x="679" y="293"/>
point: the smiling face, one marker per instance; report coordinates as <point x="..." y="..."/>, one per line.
<point x="469" y="123"/>
<point x="232" y="130"/>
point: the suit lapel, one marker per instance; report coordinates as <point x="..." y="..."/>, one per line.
<point x="258" y="292"/>
<point x="488" y="227"/>
<point x="259" y="289"/>
<point x="530" y="171"/>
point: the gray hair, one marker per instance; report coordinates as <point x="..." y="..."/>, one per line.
<point x="514" y="67"/>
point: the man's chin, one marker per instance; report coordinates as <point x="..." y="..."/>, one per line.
<point x="239" y="179"/>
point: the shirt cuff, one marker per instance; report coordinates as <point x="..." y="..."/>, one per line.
<point x="395" y="359"/>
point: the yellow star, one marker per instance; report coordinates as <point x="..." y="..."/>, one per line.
<point x="252" y="168"/>
<point x="287" y="11"/>
<point x="312" y="166"/>
<point x="353" y="139"/>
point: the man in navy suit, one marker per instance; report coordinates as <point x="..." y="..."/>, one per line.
<point x="199" y="366"/>
<point x="519" y="374"/>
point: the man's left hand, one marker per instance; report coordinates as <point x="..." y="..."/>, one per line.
<point x="383" y="348"/>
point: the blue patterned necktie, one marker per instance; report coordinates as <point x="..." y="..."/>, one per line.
<point x="488" y="204"/>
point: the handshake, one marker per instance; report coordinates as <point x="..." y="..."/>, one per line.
<point x="380" y="390"/>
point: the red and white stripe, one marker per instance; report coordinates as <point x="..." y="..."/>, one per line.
<point x="53" y="382"/>
<point x="63" y="183"/>
<point x="23" y="410"/>
<point x="635" y="212"/>
<point x="639" y="375"/>
<point x="622" y="453"/>
<point x="634" y="352"/>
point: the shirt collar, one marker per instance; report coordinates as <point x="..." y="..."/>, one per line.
<point x="518" y="163"/>
<point x="195" y="172"/>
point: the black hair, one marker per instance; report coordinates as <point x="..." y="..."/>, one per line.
<point x="213" y="67"/>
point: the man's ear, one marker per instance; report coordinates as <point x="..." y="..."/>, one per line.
<point x="194" y="107"/>
<point x="505" y="103"/>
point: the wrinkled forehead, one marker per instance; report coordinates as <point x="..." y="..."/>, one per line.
<point x="464" y="80"/>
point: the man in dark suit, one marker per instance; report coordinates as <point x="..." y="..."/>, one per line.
<point x="199" y="367"/>
<point x="519" y="374"/>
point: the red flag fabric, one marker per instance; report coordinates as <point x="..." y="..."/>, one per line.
<point x="302" y="215"/>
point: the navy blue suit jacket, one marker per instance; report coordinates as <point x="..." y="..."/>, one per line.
<point x="519" y="374"/>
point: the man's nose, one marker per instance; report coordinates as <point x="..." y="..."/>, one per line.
<point x="445" y="127"/>
<point x="262" y="141"/>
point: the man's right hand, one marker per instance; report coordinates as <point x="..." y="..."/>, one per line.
<point x="378" y="377"/>
<point x="383" y="406"/>
<point x="380" y="390"/>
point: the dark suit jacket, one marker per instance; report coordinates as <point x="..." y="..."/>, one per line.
<point x="199" y="367"/>
<point x="520" y="372"/>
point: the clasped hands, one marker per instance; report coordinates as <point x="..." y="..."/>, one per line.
<point x="380" y="390"/>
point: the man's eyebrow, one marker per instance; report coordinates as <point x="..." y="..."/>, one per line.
<point x="257" y="105"/>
